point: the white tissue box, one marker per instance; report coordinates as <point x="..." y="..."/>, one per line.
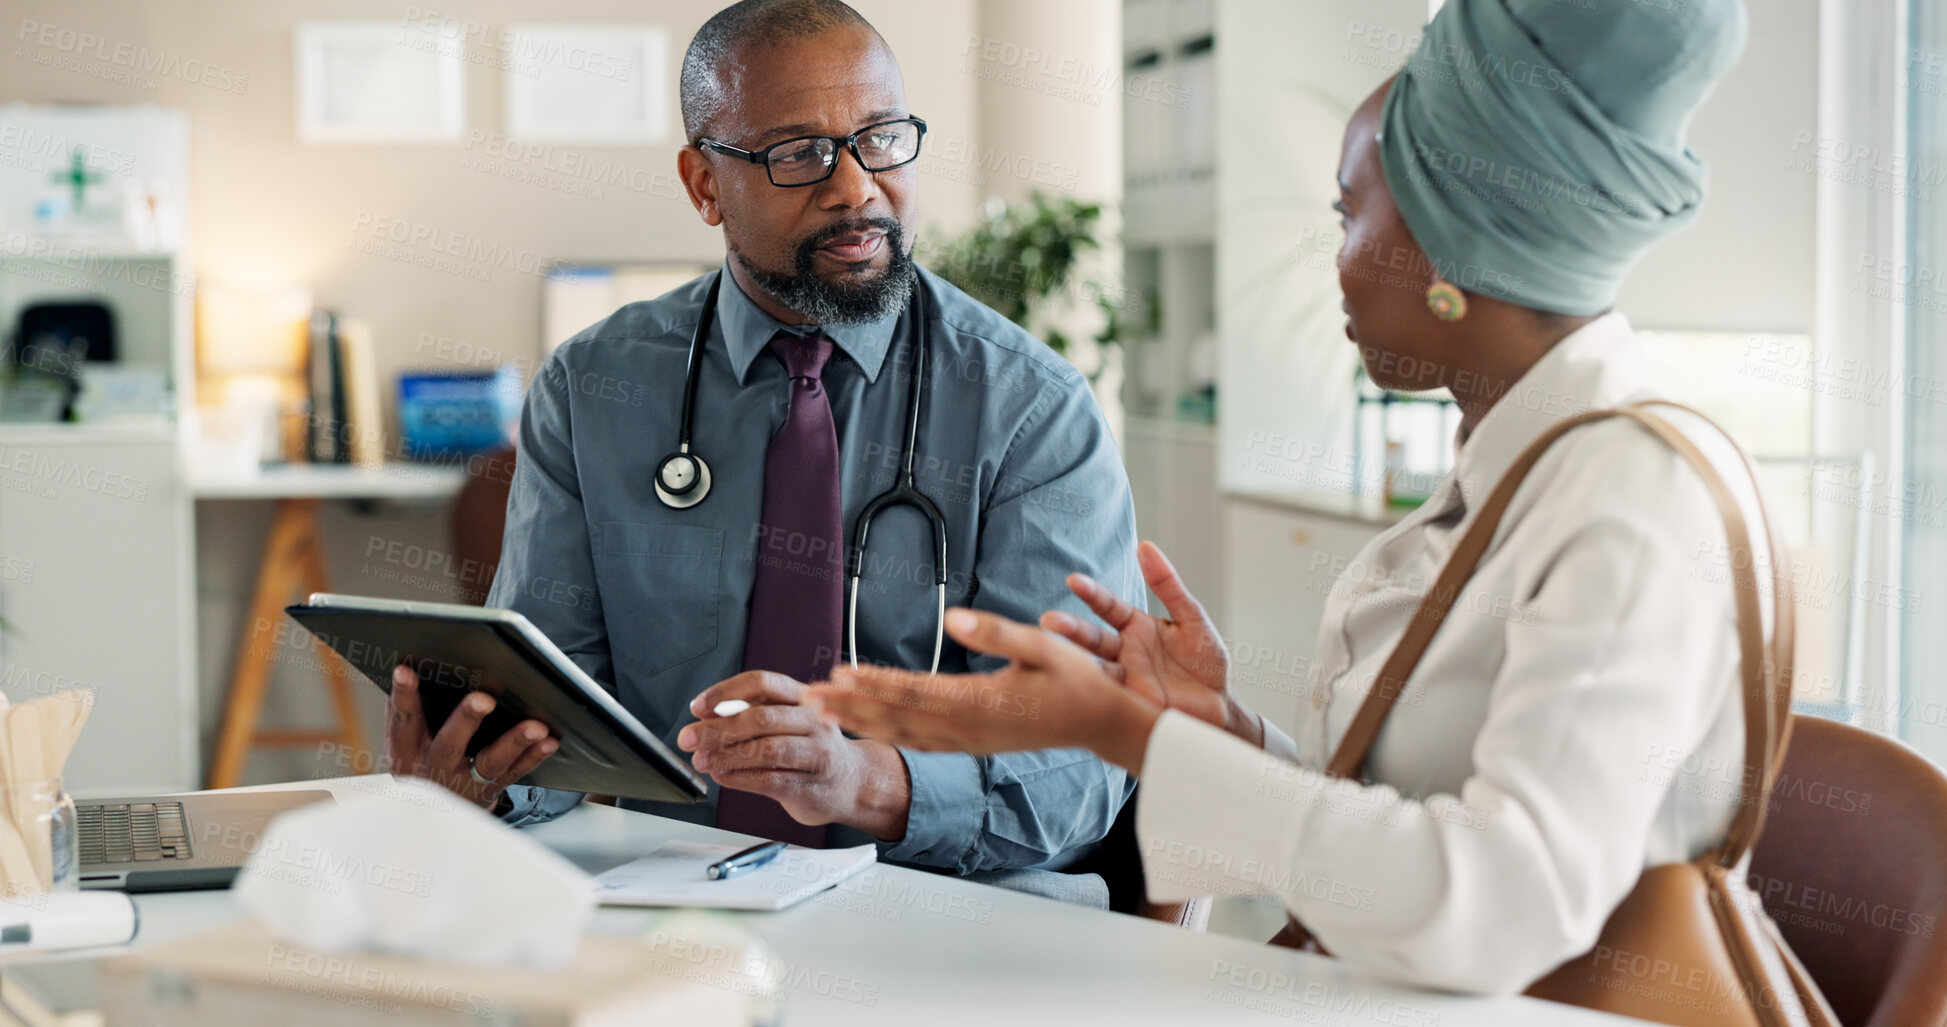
<point x="243" y="976"/>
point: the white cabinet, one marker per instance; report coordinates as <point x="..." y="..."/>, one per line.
<point x="96" y="587"/>
<point x="1173" y="477"/>
<point x="96" y="559"/>
<point x="1280" y="564"/>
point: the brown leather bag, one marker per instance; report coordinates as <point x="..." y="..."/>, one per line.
<point x="1690" y="944"/>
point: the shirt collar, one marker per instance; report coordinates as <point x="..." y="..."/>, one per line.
<point x="1597" y="367"/>
<point x="747" y="330"/>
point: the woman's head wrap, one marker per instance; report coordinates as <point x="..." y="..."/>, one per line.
<point x="1536" y="147"/>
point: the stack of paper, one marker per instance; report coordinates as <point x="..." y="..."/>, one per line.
<point x="674" y="876"/>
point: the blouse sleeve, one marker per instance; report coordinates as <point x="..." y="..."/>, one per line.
<point x="1629" y="654"/>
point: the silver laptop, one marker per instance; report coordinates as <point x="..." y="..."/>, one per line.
<point x="176" y="842"/>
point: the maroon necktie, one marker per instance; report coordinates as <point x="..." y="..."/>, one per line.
<point x="798" y="590"/>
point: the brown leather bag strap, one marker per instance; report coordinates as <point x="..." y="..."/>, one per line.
<point x="1766" y="698"/>
<point x="1759" y="666"/>
<point x="1778" y="681"/>
<point x="1386" y="689"/>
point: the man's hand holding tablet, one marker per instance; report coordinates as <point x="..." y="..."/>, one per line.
<point x="413" y="750"/>
<point x="479" y="699"/>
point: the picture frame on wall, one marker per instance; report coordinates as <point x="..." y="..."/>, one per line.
<point x="580" y="293"/>
<point x="378" y="83"/>
<point x="586" y="84"/>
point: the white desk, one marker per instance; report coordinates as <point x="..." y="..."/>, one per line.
<point x="940" y="951"/>
<point x="400" y="481"/>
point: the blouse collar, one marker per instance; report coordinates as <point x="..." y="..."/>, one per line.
<point x="1596" y="367"/>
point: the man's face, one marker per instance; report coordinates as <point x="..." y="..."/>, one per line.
<point x="836" y="251"/>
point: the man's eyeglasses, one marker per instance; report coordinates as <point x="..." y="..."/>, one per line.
<point x="809" y="160"/>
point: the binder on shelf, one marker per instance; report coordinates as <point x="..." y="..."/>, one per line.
<point x="1190" y="18"/>
<point x="345" y="425"/>
<point x="1196" y="79"/>
<point x="1145" y="24"/>
<point x="325" y="378"/>
<point x="1145" y="125"/>
<point x="363" y="440"/>
<point x="1193" y="185"/>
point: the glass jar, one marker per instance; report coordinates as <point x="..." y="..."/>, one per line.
<point x="39" y="843"/>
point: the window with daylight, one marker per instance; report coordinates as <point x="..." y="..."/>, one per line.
<point x="1916" y="286"/>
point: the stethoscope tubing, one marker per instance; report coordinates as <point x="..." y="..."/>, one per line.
<point x="904" y="492"/>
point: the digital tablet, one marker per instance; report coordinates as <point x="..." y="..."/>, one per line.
<point x="459" y="649"/>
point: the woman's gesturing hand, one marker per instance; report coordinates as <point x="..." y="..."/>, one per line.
<point x="1179" y="661"/>
<point x="1051" y="695"/>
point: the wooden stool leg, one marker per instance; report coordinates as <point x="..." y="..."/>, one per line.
<point x="293" y="529"/>
<point x="339" y="678"/>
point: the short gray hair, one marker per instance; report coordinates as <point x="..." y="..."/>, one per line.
<point x="748" y="23"/>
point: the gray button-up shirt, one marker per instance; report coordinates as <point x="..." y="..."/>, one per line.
<point x="653" y="601"/>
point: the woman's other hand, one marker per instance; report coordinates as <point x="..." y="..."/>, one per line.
<point x="1179" y="661"/>
<point x="1051" y="695"/>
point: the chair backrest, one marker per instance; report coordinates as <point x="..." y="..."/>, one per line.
<point x="1852" y="867"/>
<point x="479" y="521"/>
<point x="1119" y="860"/>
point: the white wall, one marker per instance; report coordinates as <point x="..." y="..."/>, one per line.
<point x="1746" y="264"/>
<point x="1040" y="72"/>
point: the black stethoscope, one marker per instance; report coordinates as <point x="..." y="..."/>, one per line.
<point x="683" y="478"/>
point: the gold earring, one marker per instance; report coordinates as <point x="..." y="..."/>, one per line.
<point x="1446" y="300"/>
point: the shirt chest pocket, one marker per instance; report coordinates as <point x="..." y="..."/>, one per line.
<point x="660" y="589"/>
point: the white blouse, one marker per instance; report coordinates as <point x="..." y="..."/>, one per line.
<point x="1576" y="719"/>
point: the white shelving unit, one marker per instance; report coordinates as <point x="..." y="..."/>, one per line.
<point x="1175" y="489"/>
<point x="97" y="557"/>
<point x="1170" y="51"/>
<point x="1169" y="200"/>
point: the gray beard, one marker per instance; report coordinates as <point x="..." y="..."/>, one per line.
<point x="826" y="303"/>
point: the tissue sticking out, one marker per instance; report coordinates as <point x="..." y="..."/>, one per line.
<point x="412" y="869"/>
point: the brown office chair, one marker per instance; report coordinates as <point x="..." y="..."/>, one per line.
<point x="479" y="523"/>
<point x="479" y="520"/>
<point x="1119" y="861"/>
<point x="1852" y="867"/>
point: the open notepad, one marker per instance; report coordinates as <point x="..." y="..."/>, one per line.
<point x="673" y="875"/>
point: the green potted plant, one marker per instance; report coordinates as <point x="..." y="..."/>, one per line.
<point x="1039" y="262"/>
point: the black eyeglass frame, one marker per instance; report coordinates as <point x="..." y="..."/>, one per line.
<point x="840" y="144"/>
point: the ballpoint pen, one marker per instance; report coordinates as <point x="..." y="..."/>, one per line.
<point x="749" y="859"/>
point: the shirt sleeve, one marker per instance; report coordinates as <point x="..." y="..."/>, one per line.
<point x="1486" y="891"/>
<point x="1060" y="503"/>
<point x="532" y="804"/>
<point x="545" y="558"/>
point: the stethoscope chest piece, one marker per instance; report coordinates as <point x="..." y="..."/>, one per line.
<point x="682" y="480"/>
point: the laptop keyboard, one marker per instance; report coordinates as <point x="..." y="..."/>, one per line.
<point x="133" y="832"/>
